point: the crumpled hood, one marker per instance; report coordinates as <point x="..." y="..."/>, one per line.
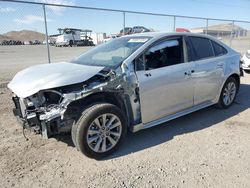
<point x="46" y="76"/>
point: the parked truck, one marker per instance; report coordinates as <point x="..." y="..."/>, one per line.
<point x="74" y="37"/>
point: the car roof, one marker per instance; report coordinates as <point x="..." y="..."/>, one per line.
<point x="162" y="34"/>
<point x="159" y="35"/>
<point x="155" y="36"/>
<point x="165" y="34"/>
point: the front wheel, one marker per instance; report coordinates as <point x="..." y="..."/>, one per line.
<point x="228" y="93"/>
<point x="100" y="130"/>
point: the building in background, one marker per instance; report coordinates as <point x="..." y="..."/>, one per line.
<point x="222" y="30"/>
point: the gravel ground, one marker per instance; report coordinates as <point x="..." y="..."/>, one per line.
<point x="208" y="148"/>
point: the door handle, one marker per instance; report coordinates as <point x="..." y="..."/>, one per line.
<point x="147" y="74"/>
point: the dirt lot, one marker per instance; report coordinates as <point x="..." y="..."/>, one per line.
<point x="208" y="148"/>
<point x="16" y="58"/>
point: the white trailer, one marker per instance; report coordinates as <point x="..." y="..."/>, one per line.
<point x="98" y="38"/>
<point x="73" y="37"/>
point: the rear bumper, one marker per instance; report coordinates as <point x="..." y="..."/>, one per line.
<point x="245" y="68"/>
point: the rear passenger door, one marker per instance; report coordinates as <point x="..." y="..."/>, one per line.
<point x="208" y="70"/>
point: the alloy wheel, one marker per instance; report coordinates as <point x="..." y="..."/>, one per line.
<point x="104" y="133"/>
<point x="229" y="93"/>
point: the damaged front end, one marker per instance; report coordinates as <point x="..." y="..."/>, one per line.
<point x="40" y="112"/>
<point x="53" y="111"/>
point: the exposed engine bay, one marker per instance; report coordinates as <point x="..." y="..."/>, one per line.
<point x="53" y="111"/>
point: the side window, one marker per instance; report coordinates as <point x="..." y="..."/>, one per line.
<point x="202" y="47"/>
<point x="165" y="53"/>
<point x="218" y="49"/>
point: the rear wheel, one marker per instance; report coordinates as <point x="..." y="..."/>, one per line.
<point x="100" y="130"/>
<point x="228" y="93"/>
<point x="71" y="43"/>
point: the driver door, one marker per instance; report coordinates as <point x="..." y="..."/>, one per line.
<point x="165" y="84"/>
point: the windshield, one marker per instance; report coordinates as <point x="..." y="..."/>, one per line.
<point x="112" y="53"/>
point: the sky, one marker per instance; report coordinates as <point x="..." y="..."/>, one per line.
<point x="15" y="16"/>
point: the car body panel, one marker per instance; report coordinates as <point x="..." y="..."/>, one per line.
<point x="208" y="74"/>
<point x="167" y="91"/>
<point x="46" y="76"/>
<point x="159" y="121"/>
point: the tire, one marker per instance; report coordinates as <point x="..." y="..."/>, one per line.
<point x="70" y="43"/>
<point x="241" y="72"/>
<point x="230" y="83"/>
<point x="247" y="71"/>
<point x="73" y="133"/>
<point x="74" y="127"/>
<point x="97" y="139"/>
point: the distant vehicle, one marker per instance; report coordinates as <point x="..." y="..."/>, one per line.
<point x="134" y="30"/>
<point x="128" y="31"/>
<point x="139" y="29"/>
<point x="26" y="42"/>
<point x="182" y="30"/>
<point x="51" y="42"/>
<point x="132" y="82"/>
<point x="73" y="37"/>
<point x="36" y="42"/>
<point x="5" y="42"/>
<point x="110" y="38"/>
<point x="52" y="39"/>
<point x="246" y="61"/>
<point x="86" y="39"/>
<point x="11" y="42"/>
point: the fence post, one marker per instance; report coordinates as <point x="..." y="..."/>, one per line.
<point x="46" y="32"/>
<point x="231" y="36"/>
<point x="206" y="25"/>
<point x="124" y="22"/>
<point x="174" y="24"/>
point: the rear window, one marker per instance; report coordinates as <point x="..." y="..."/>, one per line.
<point x="218" y="49"/>
<point x="202" y="47"/>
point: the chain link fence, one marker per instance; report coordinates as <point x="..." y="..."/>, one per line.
<point x="30" y="31"/>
